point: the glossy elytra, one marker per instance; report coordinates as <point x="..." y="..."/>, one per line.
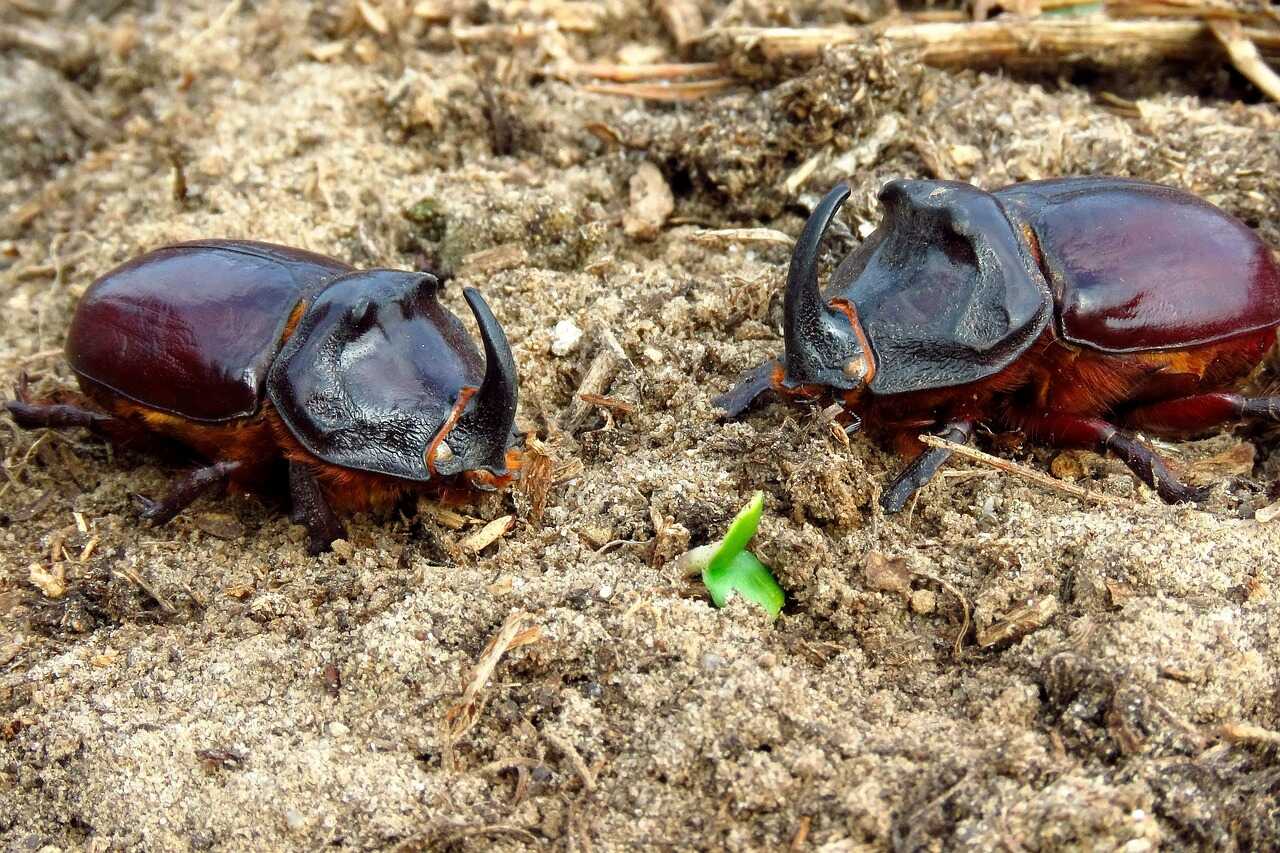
<point x="263" y="357"/>
<point x="1066" y="309"/>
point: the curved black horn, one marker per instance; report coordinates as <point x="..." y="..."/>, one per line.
<point x="813" y="333"/>
<point x="483" y="432"/>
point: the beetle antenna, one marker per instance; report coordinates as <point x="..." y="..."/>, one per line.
<point x="816" y="338"/>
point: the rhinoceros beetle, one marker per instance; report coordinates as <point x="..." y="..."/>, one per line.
<point x="252" y="354"/>
<point x="1059" y="308"/>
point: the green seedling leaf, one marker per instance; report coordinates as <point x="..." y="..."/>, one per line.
<point x="730" y="568"/>
<point x="748" y="577"/>
<point x="740" y="531"/>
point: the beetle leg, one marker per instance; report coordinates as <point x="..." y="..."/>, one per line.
<point x="1063" y="430"/>
<point x="311" y="508"/>
<point x="921" y="469"/>
<point x="58" y="416"/>
<point x="749" y="386"/>
<point x="186" y="490"/>
<point x="1190" y="415"/>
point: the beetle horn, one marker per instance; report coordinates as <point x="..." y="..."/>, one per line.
<point x="819" y="341"/>
<point x="480" y="439"/>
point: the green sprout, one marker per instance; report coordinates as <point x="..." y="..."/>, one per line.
<point x="727" y="567"/>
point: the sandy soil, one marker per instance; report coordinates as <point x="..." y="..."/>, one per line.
<point x="206" y="685"/>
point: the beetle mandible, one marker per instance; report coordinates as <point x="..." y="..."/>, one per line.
<point x="1063" y="308"/>
<point x="253" y="355"/>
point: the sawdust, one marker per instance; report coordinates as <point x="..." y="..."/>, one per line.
<point x="207" y="685"/>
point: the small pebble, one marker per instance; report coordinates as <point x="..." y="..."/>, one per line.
<point x="565" y="337"/>
<point x="924" y="601"/>
<point x="338" y="729"/>
<point x="294" y="820"/>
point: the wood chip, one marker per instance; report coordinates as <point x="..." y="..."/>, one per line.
<point x="607" y="360"/>
<point x="1019" y="623"/>
<point x="887" y="574"/>
<point x="487" y="535"/>
<point x="513" y="634"/>
<point x="535" y="480"/>
<point x="743" y="235"/>
<point x="51" y="582"/>
<point x="683" y="20"/>
<point x="1270" y="512"/>
<point x="373" y="17"/>
<point x="486" y="261"/>
<point x="434" y="11"/>
<point x="1249" y="733"/>
<point x="329" y="51"/>
<point x="651" y="203"/>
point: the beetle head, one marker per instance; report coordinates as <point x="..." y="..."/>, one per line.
<point x="823" y="341"/>
<point x="947" y="288"/>
<point x="379" y="376"/>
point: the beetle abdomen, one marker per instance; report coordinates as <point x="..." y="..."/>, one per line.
<point x="1136" y="267"/>
<point x="191" y="329"/>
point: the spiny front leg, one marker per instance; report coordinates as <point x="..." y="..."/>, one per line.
<point x="923" y="468"/>
<point x="185" y="491"/>
<point x="1064" y="430"/>
<point x="311" y="508"/>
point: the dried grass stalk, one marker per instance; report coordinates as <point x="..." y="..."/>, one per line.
<point x="1246" y="58"/>
<point x="633" y="73"/>
<point x="691" y="91"/>
<point x="512" y="635"/>
<point x="743" y="235"/>
<point x="1035" y="43"/>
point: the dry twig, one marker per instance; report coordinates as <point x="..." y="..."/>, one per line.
<point x="1029" y="474"/>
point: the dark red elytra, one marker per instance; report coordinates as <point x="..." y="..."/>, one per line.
<point x="1060" y="308"/>
<point x="253" y="355"/>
